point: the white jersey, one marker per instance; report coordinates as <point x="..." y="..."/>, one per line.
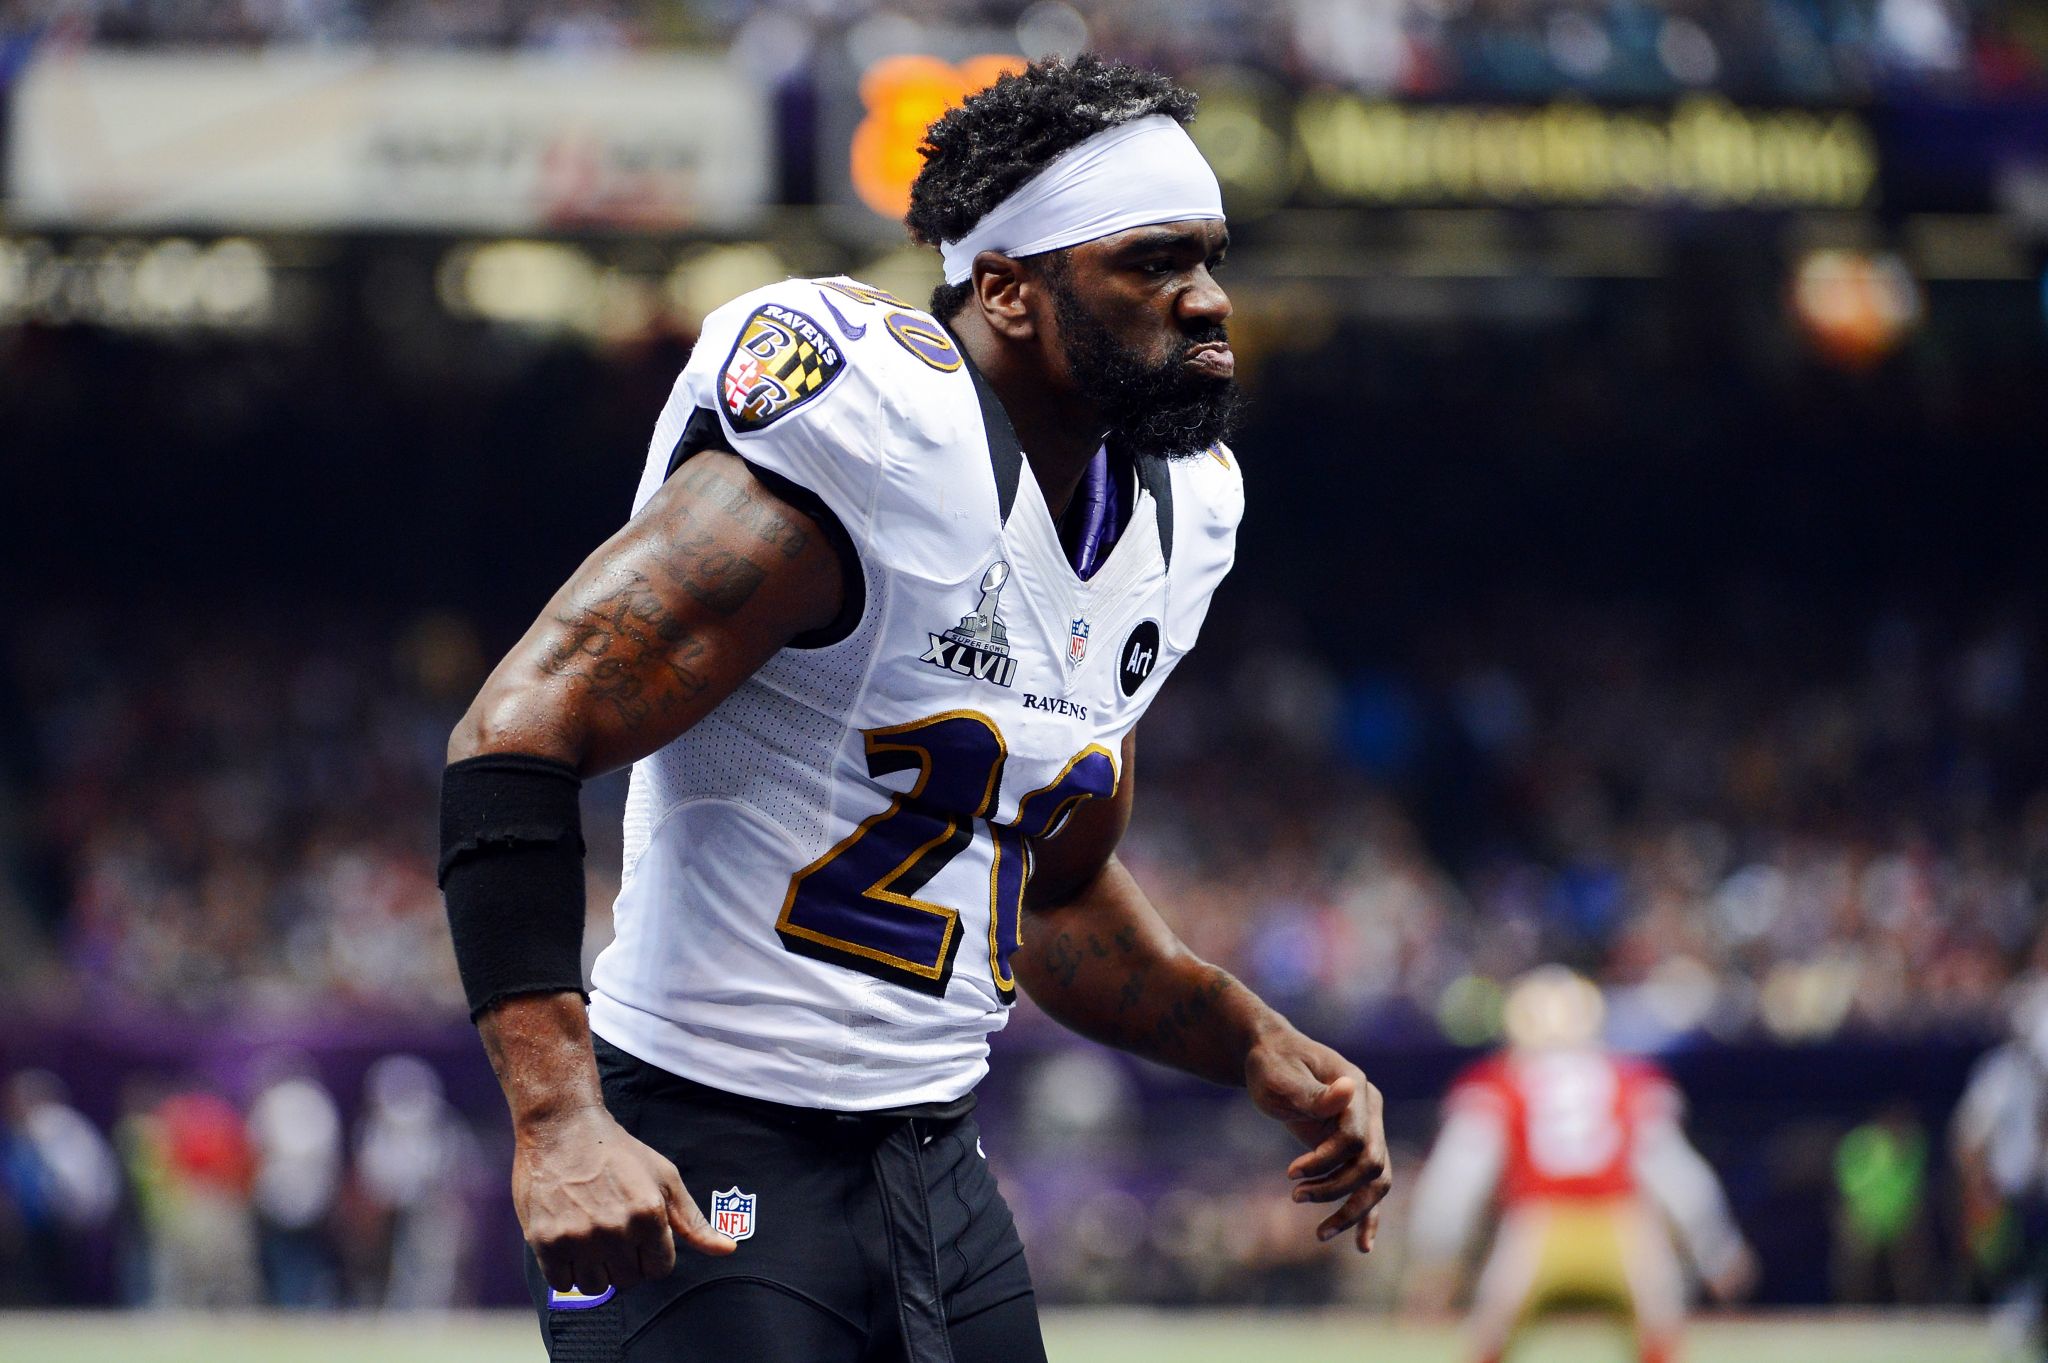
<point x="824" y="877"/>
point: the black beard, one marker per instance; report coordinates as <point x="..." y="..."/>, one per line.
<point x="1161" y="410"/>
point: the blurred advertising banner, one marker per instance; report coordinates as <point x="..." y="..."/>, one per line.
<point x="1274" y="147"/>
<point x="473" y="143"/>
<point x="1335" y="148"/>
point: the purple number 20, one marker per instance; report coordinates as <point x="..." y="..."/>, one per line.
<point x="858" y="905"/>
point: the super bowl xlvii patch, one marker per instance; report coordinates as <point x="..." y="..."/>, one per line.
<point x="732" y="1213"/>
<point x="781" y="360"/>
<point x="979" y="646"/>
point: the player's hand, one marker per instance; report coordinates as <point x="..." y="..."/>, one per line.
<point x="1326" y="1102"/>
<point x="599" y="1208"/>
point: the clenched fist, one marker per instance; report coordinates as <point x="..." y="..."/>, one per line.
<point x="599" y="1208"/>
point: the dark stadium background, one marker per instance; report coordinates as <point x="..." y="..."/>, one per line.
<point x="1549" y="568"/>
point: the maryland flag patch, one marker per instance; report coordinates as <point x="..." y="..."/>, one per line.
<point x="782" y="360"/>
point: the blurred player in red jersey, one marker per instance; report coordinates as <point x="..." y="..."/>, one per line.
<point x="1582" y="1154"/>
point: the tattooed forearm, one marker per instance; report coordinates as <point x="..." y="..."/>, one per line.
<point x="1137" y="965"/>
<point x="1062" y="961"/>
<point x="1120" y="987"/>
<point x="1131" y="995"/>
<point x="1183" y="1020"/>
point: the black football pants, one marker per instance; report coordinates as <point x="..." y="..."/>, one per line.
<point x="869" y="1240"/>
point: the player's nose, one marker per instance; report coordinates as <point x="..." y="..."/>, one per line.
<point x="1205" y="304"/>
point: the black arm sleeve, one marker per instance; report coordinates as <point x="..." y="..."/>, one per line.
<point x="512" y="874"/>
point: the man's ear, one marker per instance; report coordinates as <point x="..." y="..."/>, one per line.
<point x="1002" y="287"/>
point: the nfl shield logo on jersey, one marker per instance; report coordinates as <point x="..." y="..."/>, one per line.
<point x="732" y="1213"/>
<point x="1077" y="642"/>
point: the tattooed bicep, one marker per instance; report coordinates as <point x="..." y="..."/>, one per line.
<point x="706" y="582"/>
<point x="727" y="486"/>
<point x="717" y="576"/>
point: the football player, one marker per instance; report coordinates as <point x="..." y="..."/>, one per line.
<point x="898" y="585"/>
<point x="1582" y="1153"/>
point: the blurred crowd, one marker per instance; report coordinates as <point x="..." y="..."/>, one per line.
<point x="193" y="1201"/>
<point x="1775" y="835"/>
<point x="1785" y="833"/>
<point x="1800" y="49"/>
<point x="1782" y="831"/>
<point x="242" y="816"/>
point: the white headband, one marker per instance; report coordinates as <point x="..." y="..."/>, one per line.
<point x="1145" y="171"/>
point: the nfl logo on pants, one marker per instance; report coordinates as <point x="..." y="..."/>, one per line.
<point x="732" y="1213"/>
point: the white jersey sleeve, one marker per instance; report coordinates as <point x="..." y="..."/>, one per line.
<point x="785" y="398"/>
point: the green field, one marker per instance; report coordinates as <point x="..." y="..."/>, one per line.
<point x="1118" y="1336"/>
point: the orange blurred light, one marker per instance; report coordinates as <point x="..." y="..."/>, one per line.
<point x="1855" y="307"/>
<point x="903" y="96"/>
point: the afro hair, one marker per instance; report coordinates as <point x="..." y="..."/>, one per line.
<point x="979" y="152"/>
